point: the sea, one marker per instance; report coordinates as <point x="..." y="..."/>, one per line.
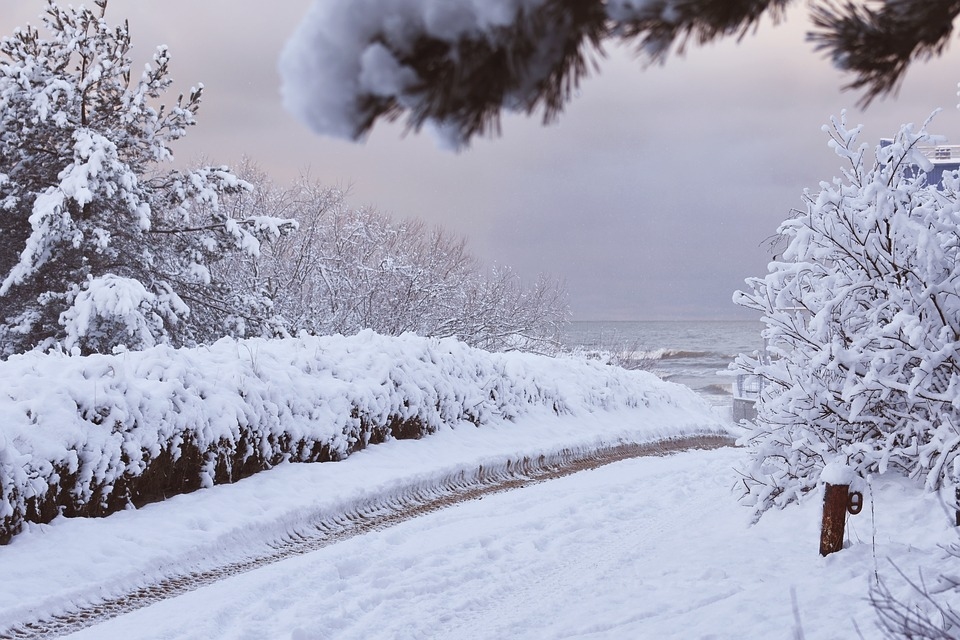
<point x="693" y="353"/>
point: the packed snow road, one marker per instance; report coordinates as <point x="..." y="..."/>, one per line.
<point x="643" y="548"/>
<point x="329" y="528"/>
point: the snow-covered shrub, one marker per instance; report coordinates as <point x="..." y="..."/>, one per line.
<point x="88" y="435"/>
<point x="349" y="269"/>
<point x="862" y="318"/>
<point x="86" y="208"/>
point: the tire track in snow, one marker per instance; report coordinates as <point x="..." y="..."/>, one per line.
<point x="367" y="515"/>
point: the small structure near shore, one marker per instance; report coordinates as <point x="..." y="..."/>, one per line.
<point x="944" y="158"/>
<point x="746" y="391"/>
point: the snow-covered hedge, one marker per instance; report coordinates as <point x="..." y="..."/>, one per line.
<point x="91" y="435"/>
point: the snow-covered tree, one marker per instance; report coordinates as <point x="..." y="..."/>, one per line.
<point x="862" y="314"/>
<point x="457" y="64"/>
<point x="100" y="248"/>
<point x="348" y="269"/>
<point x="501" y="312"/>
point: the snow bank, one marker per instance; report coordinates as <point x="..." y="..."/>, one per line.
<point x="88" y="436"/>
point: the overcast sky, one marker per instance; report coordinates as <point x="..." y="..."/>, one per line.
<point x="651" y="198"/>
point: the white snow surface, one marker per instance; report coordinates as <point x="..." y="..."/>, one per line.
<point x="645" y="548"/>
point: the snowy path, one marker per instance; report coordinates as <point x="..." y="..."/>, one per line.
<point x="652" y="547"/>
<point x="367" y="516"/>
<point x="79" y="564"/>
<point x="644" y="548"/>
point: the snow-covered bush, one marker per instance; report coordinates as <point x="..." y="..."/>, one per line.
<point x="349" y="269"/>
<point x="862" y="318"/>
<point x="99" y="247"/>
<point x="88" y="435"/>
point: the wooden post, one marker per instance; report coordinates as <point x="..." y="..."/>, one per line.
<point x="835" y="501"/>
<point x="957" y="494"/>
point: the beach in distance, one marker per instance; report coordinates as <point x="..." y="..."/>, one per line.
<point x="690" y="352"/>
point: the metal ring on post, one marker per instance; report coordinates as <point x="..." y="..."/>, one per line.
<point x="855" y="503"/>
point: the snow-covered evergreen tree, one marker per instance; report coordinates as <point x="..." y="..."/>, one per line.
<point x="862" y="314"/>
<point x="101" y="248"/>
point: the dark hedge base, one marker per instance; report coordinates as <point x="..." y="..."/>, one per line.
<point x="179" y="469"/>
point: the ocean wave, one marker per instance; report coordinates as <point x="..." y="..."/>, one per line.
<point x="693" y="354"/>
<point x="675" y="354"/>
<point x="716" y="389"/>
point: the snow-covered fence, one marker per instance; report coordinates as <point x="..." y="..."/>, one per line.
<point x="87" y="436"/>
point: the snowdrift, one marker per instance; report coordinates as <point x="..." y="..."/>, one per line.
<point x="87" y="436"/>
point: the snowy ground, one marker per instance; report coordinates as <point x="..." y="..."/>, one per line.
<point x="645" y="548"/>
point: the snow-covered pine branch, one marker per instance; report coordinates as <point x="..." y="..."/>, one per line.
<point x="457" y="65"/>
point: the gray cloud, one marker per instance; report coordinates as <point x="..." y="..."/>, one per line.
<point x="651" y="197"/>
